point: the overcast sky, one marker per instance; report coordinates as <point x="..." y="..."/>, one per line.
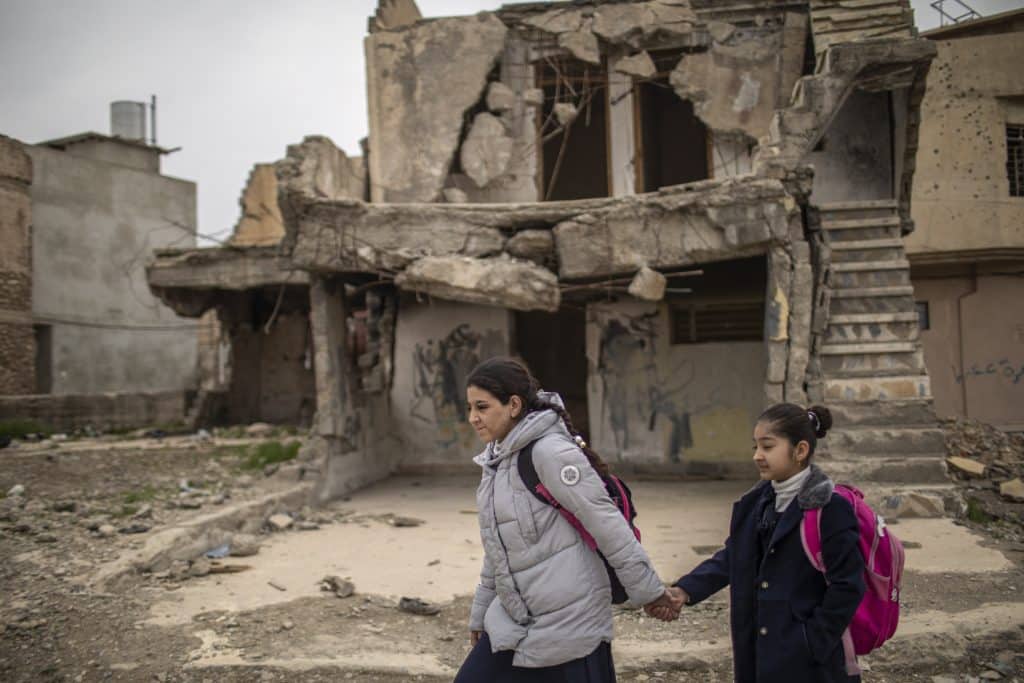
<point x="236" y="81"/>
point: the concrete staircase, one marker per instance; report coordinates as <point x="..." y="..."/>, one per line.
<point x="872" y="365"/>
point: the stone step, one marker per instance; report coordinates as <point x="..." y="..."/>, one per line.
<point x="913" y="469"/>
<point x="858" y="234"/>
<point x="876" y="304"/>
<point x="873" y="292"/>
<point x="894" y="387"/>
<point x="868" y="318"/>
<point x="887" y="223"/>
<point x="839" y="333"/>
<point x="859" y="266"/>
<point x="890" y="441"/>
<point x="896" y="413"/>
<point x="868" y="348"/>
<point x="881" y="364"/>
<point x="889" y="243"/>
<point x="832" y="223"/>
<point x="867" y="277"/>
<point x="887" y="252"/>
<point x="891" y="204"/>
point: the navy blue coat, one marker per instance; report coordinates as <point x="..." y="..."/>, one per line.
<point x="787" y="621"/>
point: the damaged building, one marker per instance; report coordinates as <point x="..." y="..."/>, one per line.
<point x="676" y="211"/>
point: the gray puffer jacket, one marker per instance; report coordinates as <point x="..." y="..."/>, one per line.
<point x="553" y="599"/>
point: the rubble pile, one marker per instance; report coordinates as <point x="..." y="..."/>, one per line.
<point x="989" y="464"/>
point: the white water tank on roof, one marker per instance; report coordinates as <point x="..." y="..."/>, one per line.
<point x="128" y="120"/>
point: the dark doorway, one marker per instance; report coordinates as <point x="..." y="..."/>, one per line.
<point x="575" y="160"/>
<point x="554" y="346"/>
<point x="44" y="358"/>
<point x="674" y="141"/>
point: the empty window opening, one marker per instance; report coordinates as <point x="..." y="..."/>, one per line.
<point x="554" y="346"/>
<point x="726" y="305"/>
<point x="673" y="141"/>
<point x="1015" y="159"/>
<point x="574" y="156"/>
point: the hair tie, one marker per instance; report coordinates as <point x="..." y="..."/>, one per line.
<point x="579" y="441"/>
<point x="814" y="418"/>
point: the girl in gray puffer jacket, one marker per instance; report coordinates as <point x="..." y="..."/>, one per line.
<point x="542" y="611"/>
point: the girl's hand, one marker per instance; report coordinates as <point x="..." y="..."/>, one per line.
<point x="474" y="637"/>
<point x="668" y="606"/>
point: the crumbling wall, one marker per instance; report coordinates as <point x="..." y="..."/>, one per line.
<point x="17" y="341"/>
<point x="106" y="411"/>
<point x="260" y="223"/>
<point x="841" y="21"/>
<point x="685" y="407"/>
<point x="744" y="75"/>
<point x="352" y="429"/>
<point x="420" y="246"/>
<point x="420" y="82"/>
<point x="437" y="343"/>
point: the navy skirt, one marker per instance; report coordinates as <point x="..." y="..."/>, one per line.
<point x="484" y="666"/>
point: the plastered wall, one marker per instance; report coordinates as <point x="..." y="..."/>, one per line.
<point x="688" y="406"/>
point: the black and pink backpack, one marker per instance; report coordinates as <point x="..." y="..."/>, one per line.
<point x="879" y="612"/>
<point x="620" y="494"/>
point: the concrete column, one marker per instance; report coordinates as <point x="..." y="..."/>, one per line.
<point x="331" y="367"/>
<point x="801" y="304"/>
<point x="17" y="338"/>
<point x="621" y="132"/>
<point x="778" y="298"/>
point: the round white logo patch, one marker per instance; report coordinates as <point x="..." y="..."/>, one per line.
<point x="570" y="475"/>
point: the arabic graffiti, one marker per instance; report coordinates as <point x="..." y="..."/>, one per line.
<point x="1001" y="368"/>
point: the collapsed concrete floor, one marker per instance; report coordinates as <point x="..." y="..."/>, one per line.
<point x="77" y="609"/>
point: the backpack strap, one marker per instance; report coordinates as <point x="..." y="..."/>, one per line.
<point x="528" y="473"/>
<point x="810" y="537"/>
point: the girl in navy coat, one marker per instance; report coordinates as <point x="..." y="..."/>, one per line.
<point x="787" y="618"/>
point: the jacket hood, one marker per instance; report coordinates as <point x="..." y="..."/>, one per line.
<point x="534" y="425"/>
<point x="816" y="491"/>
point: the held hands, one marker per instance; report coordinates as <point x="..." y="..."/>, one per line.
<point x="668" y="606"/>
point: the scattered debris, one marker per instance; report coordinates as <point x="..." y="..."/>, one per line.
<point x="417" y="606"/>
<point x="259" y="429"/>
<point x="913" y="504"/>
<point x="274" y="584"/>
<point x="1013" y="489"/>
<point x="16" y="491"/>
<point x="648" y="284"/>
<point x="341" y="588"/>
<point x="971" y="468"/>
<point x="218" y="552"/>
<point x="280" y="521"/>
<point x="244" y="545"/>
<point x="400" y="521"/>
<point x="135" y="528"/>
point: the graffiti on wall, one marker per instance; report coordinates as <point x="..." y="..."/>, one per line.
<point x="1002" y="368"/>
<point x="639" y="393"/>
<point x="440" y="368"/>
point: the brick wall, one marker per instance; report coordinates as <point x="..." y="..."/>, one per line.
<point x="65" y="412"/>
<point x="17" y="341"/>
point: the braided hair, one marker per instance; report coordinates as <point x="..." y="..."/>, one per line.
<point x="505" y="377"/>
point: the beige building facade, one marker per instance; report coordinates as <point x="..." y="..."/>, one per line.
<point x="967" y="251"/>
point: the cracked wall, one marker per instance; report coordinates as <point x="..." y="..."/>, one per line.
<point x="17" y="340"/>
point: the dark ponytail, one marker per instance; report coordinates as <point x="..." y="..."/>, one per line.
<point x="507" y="377"/>
<point x="798" y="424"/>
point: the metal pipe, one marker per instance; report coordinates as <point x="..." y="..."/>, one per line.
<point x="152" y="119"/>
<point x="960" y="333"/>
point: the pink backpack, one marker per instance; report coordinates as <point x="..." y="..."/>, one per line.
<point x="879" y="612"/>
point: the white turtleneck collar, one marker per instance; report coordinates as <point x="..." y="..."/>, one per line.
<point x="786" y="491"/>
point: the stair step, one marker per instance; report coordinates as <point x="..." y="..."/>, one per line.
<point x="886" y="441"/>
<point x="861" y="266"/>
<point x="868" y="318"/>
<point x="871" y="332"/>
<point x="853" y="206"/>
<point x="887" y="243"/>
<point x="884" y="347"/>
<point x="907" y="386"/>
<point x="897" y="413"/>
<point x="856" y="223"/>
<point x="865" y="292"/>
<point x="924" y="469"/>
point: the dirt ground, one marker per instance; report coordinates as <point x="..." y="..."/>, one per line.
<point x="87" y="504"/>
